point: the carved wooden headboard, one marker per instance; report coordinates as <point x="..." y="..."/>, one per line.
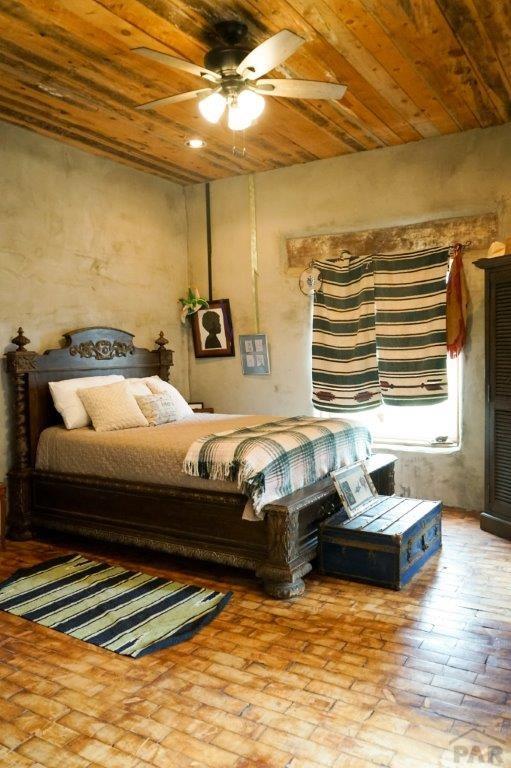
<point x="87" y="352"/>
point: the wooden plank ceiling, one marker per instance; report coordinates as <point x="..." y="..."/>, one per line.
<point x="414" y="69"/>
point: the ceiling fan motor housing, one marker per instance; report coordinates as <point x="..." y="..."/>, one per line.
<point x="225" y="60"/>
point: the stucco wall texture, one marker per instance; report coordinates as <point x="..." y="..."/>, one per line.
<point x="85" y="241"/>
<point x="442" y="177"/>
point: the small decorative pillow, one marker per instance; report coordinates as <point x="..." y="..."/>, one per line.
<point x="112" y="407"/>
<point x="66" y="400"/>
<point x="160" y="387"/>
<point x="158" y="409"/>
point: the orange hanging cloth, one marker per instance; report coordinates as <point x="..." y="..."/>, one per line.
<point x="456" y="304"/>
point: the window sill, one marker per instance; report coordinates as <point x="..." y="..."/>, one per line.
<point x="407" y="448"/>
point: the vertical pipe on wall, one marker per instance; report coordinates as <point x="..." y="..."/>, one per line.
<point x="253" y="249"/>
<point x="208" y="236"/>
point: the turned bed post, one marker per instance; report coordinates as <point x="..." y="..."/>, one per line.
<point x="166" y="356"/>
<point x="19" y="363"/>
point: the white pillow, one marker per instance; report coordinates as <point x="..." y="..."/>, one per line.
<point x="67" y="402"/>
<point x="112" y="407"/>
<point x="160" y="387"/>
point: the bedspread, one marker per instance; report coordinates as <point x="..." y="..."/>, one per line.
<point x="271" y="460"/>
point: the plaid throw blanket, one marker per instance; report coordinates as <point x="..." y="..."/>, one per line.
<point x="270" y="460"/>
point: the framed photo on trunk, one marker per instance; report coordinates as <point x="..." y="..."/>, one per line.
<point x="212" y="330"/>
<point x="355" y="488"/>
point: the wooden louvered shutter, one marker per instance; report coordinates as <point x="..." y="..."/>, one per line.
<point x="499" y="405"/>
<point x="497" y="516"/>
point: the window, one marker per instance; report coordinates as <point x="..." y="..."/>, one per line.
<point x="426" y="425"/>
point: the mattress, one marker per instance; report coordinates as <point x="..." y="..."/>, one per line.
<point x="143" y="454"/>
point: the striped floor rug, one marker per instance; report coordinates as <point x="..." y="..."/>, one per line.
<point x="127" y="612"/>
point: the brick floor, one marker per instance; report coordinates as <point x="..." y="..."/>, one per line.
<point x="346" y="676"/>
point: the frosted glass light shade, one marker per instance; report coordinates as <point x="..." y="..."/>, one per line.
<point x="251" y="104"/>
<point x="238" y="119"/>
<point x="212" y="107"/>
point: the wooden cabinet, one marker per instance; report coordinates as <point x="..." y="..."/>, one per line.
<point x="496" y="517"/>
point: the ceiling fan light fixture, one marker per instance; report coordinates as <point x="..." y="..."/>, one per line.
<point x="212" y="107"/>
<point x="251" y="104"/>
<point x="238" y="119"/>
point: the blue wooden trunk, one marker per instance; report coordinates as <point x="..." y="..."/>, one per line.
<point x="386" y="545"/>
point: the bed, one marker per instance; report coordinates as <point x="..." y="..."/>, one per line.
<point x="199" y="518"/>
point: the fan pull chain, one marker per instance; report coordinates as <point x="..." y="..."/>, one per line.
<point x="238" y="151"/>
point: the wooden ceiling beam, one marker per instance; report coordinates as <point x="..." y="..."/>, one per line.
<point x="46" y="128"/>
<point x="75" y="105"/>
<point x="319" y="60"/>
<point x="307" y="65"/>
<point x="422" y="33"/>
<point x="61" y="121"/>
<point x="413" y="69"/>
<point x="371" y="37"/>
<point x="329" y="25"/>
<point x="479" y="49"/>
<point x="112" y="97"/>
<point x="341" y="139"/>
<point x="496" y="21"/>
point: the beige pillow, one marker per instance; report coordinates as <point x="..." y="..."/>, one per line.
<point x="112" y="407"/>
<point x="158" y="409"/>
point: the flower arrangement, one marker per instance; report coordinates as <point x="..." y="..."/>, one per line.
<point x="192" y="303"/>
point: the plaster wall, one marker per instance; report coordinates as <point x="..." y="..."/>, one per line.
<point x="442" y="177"/>
<point x="85" y="241"/>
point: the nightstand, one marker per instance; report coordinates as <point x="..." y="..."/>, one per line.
<point x="203" y="410"/>
<point x="3" y="516"/>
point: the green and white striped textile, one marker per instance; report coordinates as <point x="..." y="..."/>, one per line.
<point x="127" y="612"/>
<point x="379" y="332"/>
<point x="410" y="291"/>
<point x="344" y="364"/>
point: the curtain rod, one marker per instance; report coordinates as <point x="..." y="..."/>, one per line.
<point x="347" y="254"/>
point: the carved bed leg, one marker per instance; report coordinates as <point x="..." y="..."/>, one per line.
<point x="282" y="573"/>
<point x="19" y="505"/>
<point x="283" y="590"/>
<point x="19" y="363"/>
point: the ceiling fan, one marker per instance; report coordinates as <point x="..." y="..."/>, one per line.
<point x="234" y="76"/>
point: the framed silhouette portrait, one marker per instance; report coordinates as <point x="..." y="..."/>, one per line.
<point x="212" y="330"/>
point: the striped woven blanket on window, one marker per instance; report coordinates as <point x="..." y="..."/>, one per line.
<point x="379" y="331"/>
<point x="410" y="291"/>
<point x="344" y="364"/>
<point x="271" y="460"/>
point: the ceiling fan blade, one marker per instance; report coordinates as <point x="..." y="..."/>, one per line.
<point x="176" y="98"/>
<point x="269" y="54"/>
<point x="177" y="63"/>
<point x="299" y="89"/>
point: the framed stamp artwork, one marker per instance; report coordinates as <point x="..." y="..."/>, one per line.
<point x="212" y="330"/>
<point x="355" y="489"/>
<point x="255" y="358"/>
